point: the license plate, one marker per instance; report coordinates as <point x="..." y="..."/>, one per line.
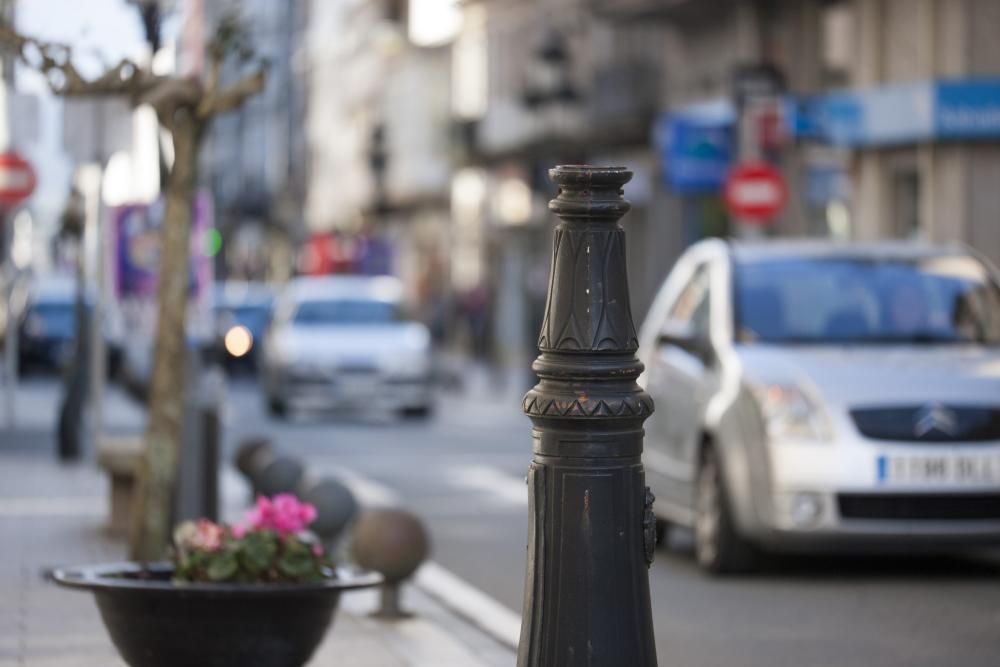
<point x="357" y="387"/>
<point x="957" y="469"/>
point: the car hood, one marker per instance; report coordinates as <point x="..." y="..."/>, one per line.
<point x="351" y="344"/>
<point x="879" y="374"/>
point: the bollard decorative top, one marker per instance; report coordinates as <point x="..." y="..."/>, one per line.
<point x="587" y="192"/>
<point x="587" y="309"/>
<point x="587" y="333"/>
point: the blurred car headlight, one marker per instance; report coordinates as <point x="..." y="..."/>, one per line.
<point x="238" y="341"/>
<point x="410" y="365"/>
<point x="417" y="337"/>
<point x="790" y="415"/>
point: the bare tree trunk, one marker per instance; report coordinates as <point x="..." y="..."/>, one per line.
<point x="153" y="504"/>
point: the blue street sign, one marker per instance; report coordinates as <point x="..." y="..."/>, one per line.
<point x="967" y="109"/>
<point x="696" y="147"/>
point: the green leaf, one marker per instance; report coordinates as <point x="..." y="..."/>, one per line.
<point x="258" y="554"/>
<point x="293" y="545"/>
<point x="222" y="567"/>
<point x="296" y="565"/>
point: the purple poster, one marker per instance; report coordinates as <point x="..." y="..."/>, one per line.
<point x="137" y="248"/>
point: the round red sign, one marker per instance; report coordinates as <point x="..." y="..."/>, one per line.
<point x="755" y="191"/>
<point x="17" y="179"/>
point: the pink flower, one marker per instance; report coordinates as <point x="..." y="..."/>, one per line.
<point x="317" y="551"/>
<point x="261" y="516"/>
<point x="284" y="514"/>
<point x="239" y="530"/>
<point x="208" y="536"/>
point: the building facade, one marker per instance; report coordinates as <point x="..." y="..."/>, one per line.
<point x="378" y="128"/>
<point x="926" y="79"/>
<point x="254" y="159"/>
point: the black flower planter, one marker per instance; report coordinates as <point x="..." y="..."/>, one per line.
<point x="156" y="623"/>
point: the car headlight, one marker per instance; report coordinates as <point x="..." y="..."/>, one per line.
<point x="238" y="341"/>
<point x="416" y="337"/>
<point x="790" y="415"/>
<point x="410" y="365"/>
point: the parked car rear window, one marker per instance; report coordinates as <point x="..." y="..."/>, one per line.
<point x="345" y="311"/>
<point x="938" y="299"/>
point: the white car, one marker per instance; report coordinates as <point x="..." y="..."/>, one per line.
<point x="342" y="342"/>
<point x="817" y="396"/>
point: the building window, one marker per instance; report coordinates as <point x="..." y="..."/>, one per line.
<point x="906" y="202"/>
<point x="839" y="43"/>
<point x="395" y="11"/>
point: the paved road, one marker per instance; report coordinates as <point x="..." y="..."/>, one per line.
<point x="463" y="470"/>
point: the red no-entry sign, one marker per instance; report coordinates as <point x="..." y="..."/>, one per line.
<point x="755" y="191"/>
<point x="17" y="179"/>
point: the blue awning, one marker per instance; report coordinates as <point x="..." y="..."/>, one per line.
<point x="899" y="113"/>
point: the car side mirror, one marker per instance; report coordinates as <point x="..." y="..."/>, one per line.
<point x="685" y="336"/>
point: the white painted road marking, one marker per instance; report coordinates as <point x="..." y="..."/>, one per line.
<point x="509" y="488"/>
<point x="461" y="597"/>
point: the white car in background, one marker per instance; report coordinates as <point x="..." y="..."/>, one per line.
<point x="819" y="396"/>
<point x="343" y="342"/>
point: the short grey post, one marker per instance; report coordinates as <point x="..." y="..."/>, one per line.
<point x="592" y="531"/>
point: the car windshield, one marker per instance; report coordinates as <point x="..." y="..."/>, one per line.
<point x="935" y="299"/>
<point x="250" y="316"/>
<point x="55" y="317"/>
<point x="345" y="311"/>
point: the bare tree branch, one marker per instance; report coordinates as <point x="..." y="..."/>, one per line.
<point x="169" y="95"/>
<point x="218" y="102"/>
<point x="54" y="61"/>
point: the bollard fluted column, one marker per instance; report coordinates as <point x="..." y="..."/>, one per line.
<point x="592" y="532"/>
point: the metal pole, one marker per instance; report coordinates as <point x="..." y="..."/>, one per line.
<point x="93" y="182"/>
<point x="12" y="329"/>
<point x="592" y="530"/>
<point x="7" y="258"/>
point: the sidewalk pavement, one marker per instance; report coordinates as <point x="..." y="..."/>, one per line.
<point x="53" y="515"/>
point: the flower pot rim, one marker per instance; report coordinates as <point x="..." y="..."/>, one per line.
<point x="108" y="577"/>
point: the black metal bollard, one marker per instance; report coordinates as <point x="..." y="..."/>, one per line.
<point x="592" y="532"/>
<point x="211" y="430"/>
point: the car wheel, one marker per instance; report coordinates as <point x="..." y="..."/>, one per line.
<point x="277" y="407"/>
<point x="718" y="547"/>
